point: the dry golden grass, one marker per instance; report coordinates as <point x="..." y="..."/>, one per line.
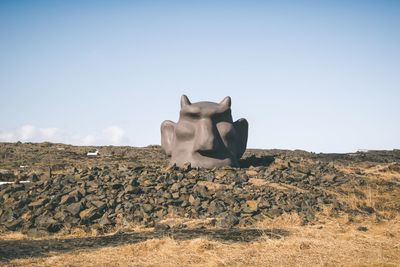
<point x="385" y="171"/>
<point x="381" y="190"/>
<point x="328" y="243"/>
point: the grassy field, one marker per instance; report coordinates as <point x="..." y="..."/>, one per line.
<point x="359" y="238"/>
<point x="326" y="243"/>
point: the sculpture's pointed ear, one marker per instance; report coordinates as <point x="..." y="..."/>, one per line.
<point x="227" y="102"/>
<point x="167" y="136"/>
<point x="242" y="129"/>
<point x="185" y="101"/>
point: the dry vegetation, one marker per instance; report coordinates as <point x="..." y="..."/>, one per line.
<point x="329" y="243"/>
<point x="356" y="238"/>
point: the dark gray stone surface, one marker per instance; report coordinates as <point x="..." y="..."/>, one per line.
<point x="205" y="135"/>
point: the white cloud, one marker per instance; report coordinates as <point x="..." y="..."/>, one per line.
<point x="113" y="135"/>
<point x="87" y="140"/>
<point x="7" y="137"/>
<point x="30" y="133"/>
<point x="49" y="132"/>
<point x="27" y="132"/>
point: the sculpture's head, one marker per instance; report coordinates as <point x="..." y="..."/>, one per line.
<point x="205" y="135"/>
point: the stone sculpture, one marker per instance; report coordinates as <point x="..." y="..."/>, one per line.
<point x="205" y="135"/>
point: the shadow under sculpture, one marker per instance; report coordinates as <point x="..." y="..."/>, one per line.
<point x="205" y="135"/>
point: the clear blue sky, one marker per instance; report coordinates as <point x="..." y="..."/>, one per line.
<point x="314" y="75"/>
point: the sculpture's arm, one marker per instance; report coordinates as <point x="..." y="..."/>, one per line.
<point x="167" y="136"/>
<point x="242" y="128"/>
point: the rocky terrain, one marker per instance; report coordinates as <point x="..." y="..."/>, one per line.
<point x="126" y="186"/>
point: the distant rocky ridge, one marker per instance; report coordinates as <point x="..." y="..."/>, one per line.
<point x="108" y="195"/>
